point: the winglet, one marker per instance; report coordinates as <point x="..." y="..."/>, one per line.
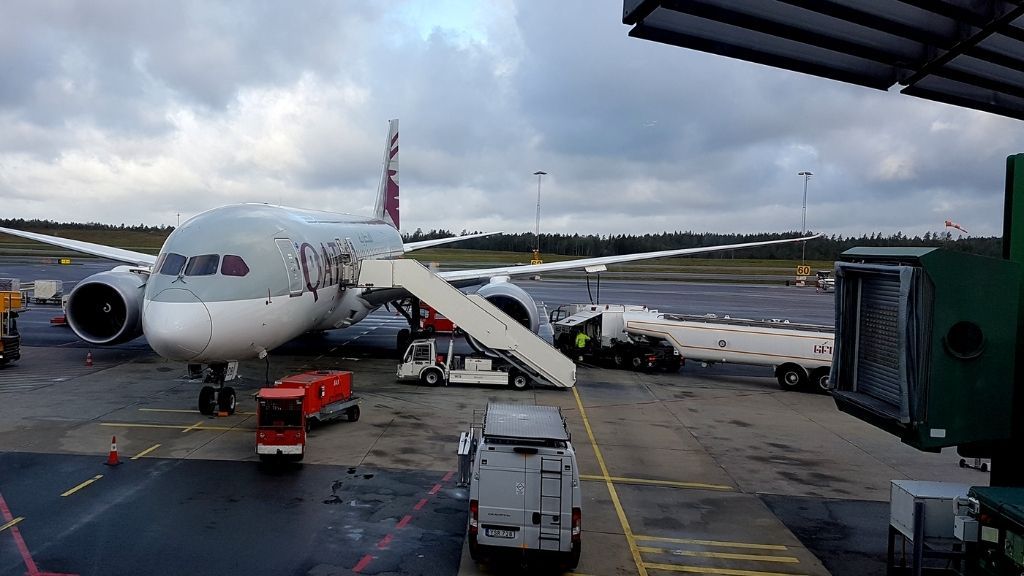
<point x="386" y="207"/>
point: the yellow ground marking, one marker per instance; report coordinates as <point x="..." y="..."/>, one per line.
<point x="146" y="451"/>
<point x="182" y="427"/>
<point x="183" y="411"/>
<point x="718" y="543"/>
<point x="674" y="484"/>
<point x="713" y="570"/>
<point x="611" y="489"/>
<point x="192" y="427"/>
<point x="722" y="555"/>
<point x="11" y="523"/>
<point x="82" y="485"/>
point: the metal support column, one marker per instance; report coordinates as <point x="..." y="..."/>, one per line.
<point x="1007" y="466"/>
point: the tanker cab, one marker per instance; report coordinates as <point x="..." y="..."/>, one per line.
<point x="280" y="424"/>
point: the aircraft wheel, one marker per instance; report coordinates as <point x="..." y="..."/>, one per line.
<point x="207" y="400"/>
<point x="226" y="400"/>
<point x="791" y="377"/>
<point x="402" y="341"/>
<point x="819" y="379"/>
<point x="431" y="377"/>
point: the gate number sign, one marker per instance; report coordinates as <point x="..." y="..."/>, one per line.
<point x="803" y="270"/>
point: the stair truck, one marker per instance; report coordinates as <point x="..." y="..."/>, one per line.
<point x="422" y="362"/>
<point x="610" y="343"/>
<point x="11" y="303"/>
<point x="287" y="411"/>
<point x="800" y="354"/>
<point x="524" y="489"/>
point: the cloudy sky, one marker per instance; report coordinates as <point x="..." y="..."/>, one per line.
<point x="136" y="112"/>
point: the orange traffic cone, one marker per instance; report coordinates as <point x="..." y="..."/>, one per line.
<point x="88" y="359"/>
<point x="112" y="458"/>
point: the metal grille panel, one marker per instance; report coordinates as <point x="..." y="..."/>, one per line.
<point x="525" y="421"/>
<point x="878" y="358"/>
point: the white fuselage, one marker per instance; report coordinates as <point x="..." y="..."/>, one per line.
<point x="276" y="274"/>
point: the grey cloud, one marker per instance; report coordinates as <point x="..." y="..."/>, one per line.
<point x="635" y="135"/>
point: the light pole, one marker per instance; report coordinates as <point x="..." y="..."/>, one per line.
<point x="803" y="219"/>
<point x="536" y="251"/>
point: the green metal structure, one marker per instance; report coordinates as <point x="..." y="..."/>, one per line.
<point x="925" y="343"/>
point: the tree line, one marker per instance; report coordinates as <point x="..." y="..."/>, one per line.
<point x="824" y="248"/>
<point x="591" y="245"/>
<point x="36" y="225"/>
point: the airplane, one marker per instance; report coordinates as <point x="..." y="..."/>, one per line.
<point x="235" y="282"/>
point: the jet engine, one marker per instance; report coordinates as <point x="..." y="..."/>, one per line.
<point x="511" y="300"/>
<point x="106" y="308"/>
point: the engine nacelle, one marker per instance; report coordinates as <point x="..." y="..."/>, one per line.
<point x="511" y="300"/>
<point x="106" y="308"/>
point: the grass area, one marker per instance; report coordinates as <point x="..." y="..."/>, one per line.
<point x="150" y="243"/>
<point x="683" y="264"/>
<point x="139" y="241"/>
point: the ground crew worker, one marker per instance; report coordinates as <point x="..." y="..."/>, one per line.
<point x="581" y="343"/>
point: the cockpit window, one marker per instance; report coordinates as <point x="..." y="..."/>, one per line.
<point x="202" y="265"/>
<point x="233" y="266"/>
<point x="172" y="265"/>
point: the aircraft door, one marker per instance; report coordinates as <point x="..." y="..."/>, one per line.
<point x="349" y="262"/>
<point x="291" y="264"/>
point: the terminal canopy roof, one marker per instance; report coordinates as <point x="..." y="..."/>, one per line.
<point x="963" y="52"/>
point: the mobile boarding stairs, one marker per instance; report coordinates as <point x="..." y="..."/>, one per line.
<point x="510" y="340"/>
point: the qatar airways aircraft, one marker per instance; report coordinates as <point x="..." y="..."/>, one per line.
<point x="236" y="282"/>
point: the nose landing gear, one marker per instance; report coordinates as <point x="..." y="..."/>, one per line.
<point x="219" y="399"/>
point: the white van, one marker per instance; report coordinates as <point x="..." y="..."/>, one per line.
<point x="525" y="485"/>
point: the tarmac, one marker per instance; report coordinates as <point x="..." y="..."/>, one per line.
<point x="710" y="471"/>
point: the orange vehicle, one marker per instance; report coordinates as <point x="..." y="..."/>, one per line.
<point x="10" y="339"/>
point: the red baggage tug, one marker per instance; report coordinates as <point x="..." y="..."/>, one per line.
<point x="285" y="412"/>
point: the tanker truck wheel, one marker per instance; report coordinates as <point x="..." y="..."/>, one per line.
<point x="819" y="380"/>
<point x="791" y="377"/>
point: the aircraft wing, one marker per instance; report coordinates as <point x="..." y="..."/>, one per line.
<point x="481" y="273"/>
<point x="410" y="246"/>
<point x="119" y="254"/>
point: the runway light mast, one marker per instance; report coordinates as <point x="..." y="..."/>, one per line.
<point x="536" y="251"/>
<point x="803" y="220"/>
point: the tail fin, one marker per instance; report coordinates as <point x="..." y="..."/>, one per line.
<point x="386" y="207"/>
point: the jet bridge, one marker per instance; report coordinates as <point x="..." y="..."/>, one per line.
<point x="510" y="340"/>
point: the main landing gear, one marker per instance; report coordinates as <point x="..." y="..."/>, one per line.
<point x="219" y="399"/>
<point x="409" y="308"/>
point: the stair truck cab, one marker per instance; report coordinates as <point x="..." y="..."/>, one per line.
<point x="525" y="486"/>
<point x="422" y="361"/>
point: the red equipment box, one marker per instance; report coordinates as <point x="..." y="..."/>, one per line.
<point x="432" y="321"/>
<point x="322" y="387"/>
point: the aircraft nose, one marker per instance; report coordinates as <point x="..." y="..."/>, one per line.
<point x="177" y="324"/>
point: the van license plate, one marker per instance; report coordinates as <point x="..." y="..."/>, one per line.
<point x="493" y="533"/>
